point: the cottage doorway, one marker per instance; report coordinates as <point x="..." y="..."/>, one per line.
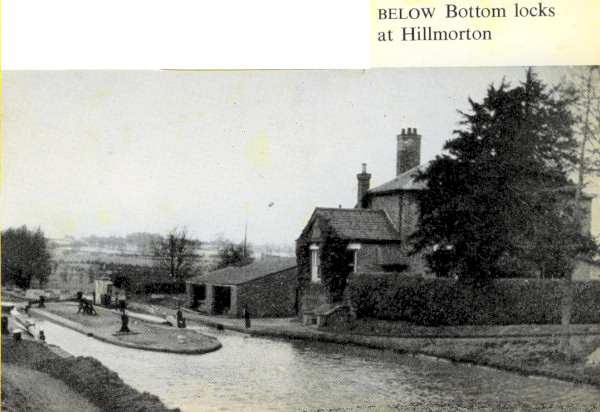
<point x="222" y="300"/>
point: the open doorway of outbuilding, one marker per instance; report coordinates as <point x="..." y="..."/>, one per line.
<point x="222" y="299"/>
<point x="199" y="294"/>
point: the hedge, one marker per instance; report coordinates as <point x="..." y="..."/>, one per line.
<point x="449" y="302"/>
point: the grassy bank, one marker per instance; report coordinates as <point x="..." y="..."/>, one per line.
<point x="85" y="376"/>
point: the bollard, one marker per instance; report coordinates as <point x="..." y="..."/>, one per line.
<point x="180" y="319"/>
<point x="4" y="324"/>
<point x="247" y="317"/>
<point x="42" y="336"/>
<point x="124" y="323"/>
<point x="17" y="336"/>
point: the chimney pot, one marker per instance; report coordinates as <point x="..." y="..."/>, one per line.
<point x="364" y="168"/>
<point x="408" y="131"/>
<point x="403" y="131"/>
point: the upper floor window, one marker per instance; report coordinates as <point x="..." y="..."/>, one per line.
<point x="315" y="275"/>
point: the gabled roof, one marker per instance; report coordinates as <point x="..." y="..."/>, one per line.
<point x="356" y="224"/>
<point x="236" y="275"/>
<point x="405" y="181"/>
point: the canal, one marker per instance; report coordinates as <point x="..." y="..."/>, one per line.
<point x="257" y="374"/>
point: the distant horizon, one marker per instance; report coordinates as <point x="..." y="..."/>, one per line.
<point x="123" y="237"/>
<point x="118" y="152"/>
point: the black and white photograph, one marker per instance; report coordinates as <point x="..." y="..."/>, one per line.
<point x="386" y="239"/>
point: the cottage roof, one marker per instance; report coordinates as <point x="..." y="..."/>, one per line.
<point x="357" y="224"/>
<point x="236" y="275"/>
<point x="405" y="181"/>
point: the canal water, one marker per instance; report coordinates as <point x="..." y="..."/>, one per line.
<point x="257" y="374"/>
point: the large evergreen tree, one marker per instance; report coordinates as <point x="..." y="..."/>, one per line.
<point x="501" y="196"/>
<point x="25" y="257"/>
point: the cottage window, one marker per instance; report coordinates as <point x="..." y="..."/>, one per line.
<point x="315" y="275"/>
<point x="354" y="248"/>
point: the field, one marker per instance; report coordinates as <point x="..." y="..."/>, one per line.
<point x="74" y="268"/>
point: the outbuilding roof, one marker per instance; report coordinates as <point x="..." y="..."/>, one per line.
<point x="405" y="181"/>
<point x="357" y="224"/>
<point x="236" y="275"/>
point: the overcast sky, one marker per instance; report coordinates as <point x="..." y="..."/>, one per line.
<point x="115" y="152"/>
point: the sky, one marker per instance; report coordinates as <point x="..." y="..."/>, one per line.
<point x="115" y="152"/>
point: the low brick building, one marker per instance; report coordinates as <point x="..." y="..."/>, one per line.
<point x="267" y="287"/>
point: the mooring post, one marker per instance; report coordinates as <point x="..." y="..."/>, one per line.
<point x="247" y="317"/>
<point x="124" y="323"/>
<point x="180" y="318"/>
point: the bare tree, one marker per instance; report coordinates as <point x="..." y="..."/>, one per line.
<point x="176" y="253"/>
<point x="585" y="105"/>
<point x="586" y="109"/>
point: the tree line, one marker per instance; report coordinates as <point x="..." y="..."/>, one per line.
<point x="26" y="257"/>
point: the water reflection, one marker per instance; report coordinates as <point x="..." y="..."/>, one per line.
<point x="270" y="375"/>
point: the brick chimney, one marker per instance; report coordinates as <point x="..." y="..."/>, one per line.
<point x="409" y="150"/>
<point x="364" y="182"/>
